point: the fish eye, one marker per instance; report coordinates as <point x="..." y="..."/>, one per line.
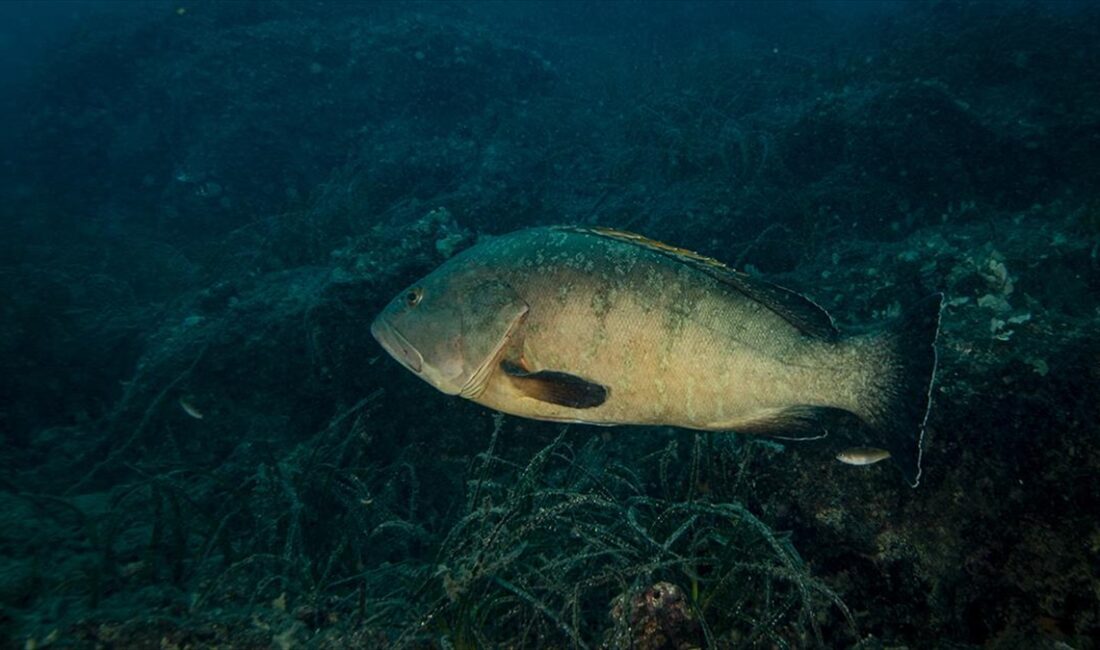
<point x="412" y="298"/>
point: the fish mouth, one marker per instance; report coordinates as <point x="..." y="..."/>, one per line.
<point x="396" y="344"/>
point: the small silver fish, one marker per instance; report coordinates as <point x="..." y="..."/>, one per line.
<point x="190" y="409"/>
<point x="862" y="455"/>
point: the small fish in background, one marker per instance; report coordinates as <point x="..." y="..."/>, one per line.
<point x="862" y="455"/>
<point x="597" y="326"/>
<point x="189" y="408"/>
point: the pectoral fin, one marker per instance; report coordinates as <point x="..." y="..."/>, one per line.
<point x="555" y="387"/>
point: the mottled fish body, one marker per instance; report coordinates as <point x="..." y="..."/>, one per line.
<point x="603" y="327"/>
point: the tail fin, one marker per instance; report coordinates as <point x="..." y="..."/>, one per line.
<point x="907" y="381"/>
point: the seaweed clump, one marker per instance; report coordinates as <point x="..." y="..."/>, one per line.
<point x="569" y="549"/>
<point x="325" y="546"/>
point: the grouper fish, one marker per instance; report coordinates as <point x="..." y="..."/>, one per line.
<point x="597" y="326"/>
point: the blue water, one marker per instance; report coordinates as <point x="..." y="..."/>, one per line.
<point x="205" y="205"/>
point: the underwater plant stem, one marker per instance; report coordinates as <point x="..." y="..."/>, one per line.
<point x="154" y="406"/>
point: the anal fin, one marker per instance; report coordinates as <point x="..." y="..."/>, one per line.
<point x="802" y="422"/>
<point x="555" y="387"/>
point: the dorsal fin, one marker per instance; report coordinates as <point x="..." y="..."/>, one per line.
<point x="798" y="310"/>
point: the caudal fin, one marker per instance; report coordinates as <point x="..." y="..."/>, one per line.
<point x="906" y="383"/>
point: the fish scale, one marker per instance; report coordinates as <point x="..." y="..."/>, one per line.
<point x="596" y="326"/>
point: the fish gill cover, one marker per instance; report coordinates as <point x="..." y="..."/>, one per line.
<point x="205" y="204"/>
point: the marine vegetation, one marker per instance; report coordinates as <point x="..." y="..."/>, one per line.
<point x="205" y="206"/>
<point x="560" y="553"/>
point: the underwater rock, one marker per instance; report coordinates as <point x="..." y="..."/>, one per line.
<point x="209" y="202"/>
<point x="659" y="618"/>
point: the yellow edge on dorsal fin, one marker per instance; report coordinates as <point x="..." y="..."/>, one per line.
<point x="798" y="310"/>
<point x="646" y="242"/>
